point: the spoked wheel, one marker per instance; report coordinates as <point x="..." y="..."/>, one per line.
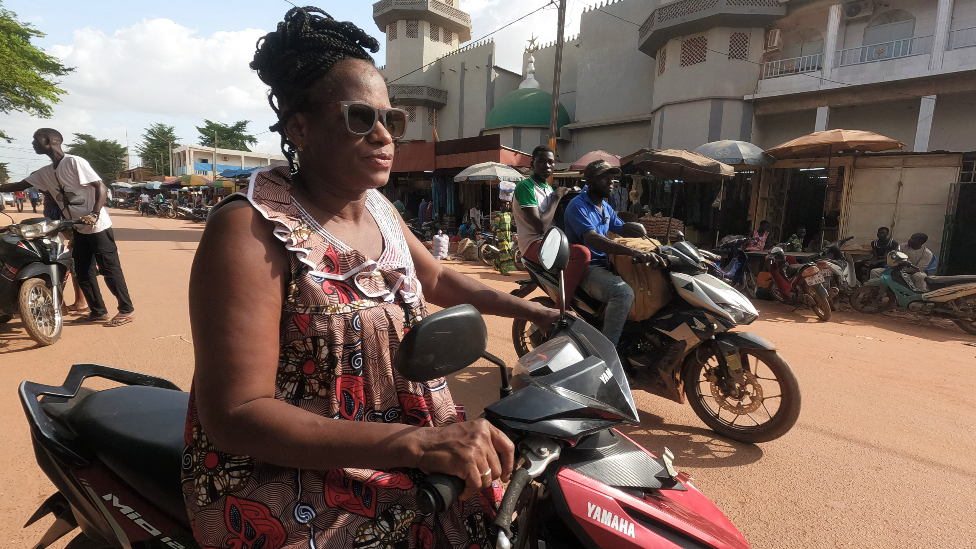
<point x="526" y="335"/>
<point x="40" y="315"/>
<point x="763" y="405"/>
<point x="968" y="326"/>
<point x="777" y="293"/>
<point x="873" y="299"/>
<point x="487" y="255"/>
<point x="748" y="286"/>
<point x="821" y="306"/>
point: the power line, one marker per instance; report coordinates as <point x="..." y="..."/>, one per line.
<point x="533" y="12"/>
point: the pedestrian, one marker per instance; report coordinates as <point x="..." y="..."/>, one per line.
<point x="34" y="196"/>
<point x="504" y="263"/>
<point x="144" y="203"/>
<point x="475" y="217"/>
<point x="80" y="194"/>
<point x="19" y="198"/>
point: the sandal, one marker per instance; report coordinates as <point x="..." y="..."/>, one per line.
<point x="78" y="310"/>
<point x="90" y="318"/>
<point x="120" y="319"/>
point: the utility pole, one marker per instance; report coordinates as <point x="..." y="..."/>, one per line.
<point x="554" y="114"/>
<point x="215" y="157"/>
<point x="169" y="149"/>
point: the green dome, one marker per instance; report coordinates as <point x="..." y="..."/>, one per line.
<point x="525" y="107"/>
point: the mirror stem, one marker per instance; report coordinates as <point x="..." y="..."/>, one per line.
<point x="506" y="389"/>
<point x="562" y="294"/>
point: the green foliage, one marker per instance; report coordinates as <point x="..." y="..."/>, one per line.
<point x="228" y="137"/>
<point x="154" y="149"/>
<point x="4" y="173"/>
<point x="106" y="157"/>
<point x="27" y="74"/>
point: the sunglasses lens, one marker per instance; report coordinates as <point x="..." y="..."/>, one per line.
<point x="361" y="118"/>
<point x="396" y="123"/>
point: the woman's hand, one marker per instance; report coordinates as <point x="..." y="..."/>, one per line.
<point x="466" y="450"/>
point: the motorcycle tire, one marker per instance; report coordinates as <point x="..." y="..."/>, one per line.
<point x="526" y="335"/>
<point x="487" y="255"/>
<point x="748" y="285"/>
<point x="968" y="326"/>
<point x="518" y="259"/>
<point x="777" y="293"/>
<point x="780" y="421"/>
<point x="5" y="318"/>
<point x="42" y="320"/>
<point x="821" y="306"/>
<point x="875" y="298"/>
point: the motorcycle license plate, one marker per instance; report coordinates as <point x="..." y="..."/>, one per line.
<point x="815" y="279"/>
<point x="826" y="273"/>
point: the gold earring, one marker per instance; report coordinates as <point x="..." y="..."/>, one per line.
<point x="300" y="149"/>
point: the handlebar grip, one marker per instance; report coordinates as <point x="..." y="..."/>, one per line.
<point x="437" y="492"/>
<point x="503" y="519"/>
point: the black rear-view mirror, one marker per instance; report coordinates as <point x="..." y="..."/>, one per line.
<point x="445" y="342"/>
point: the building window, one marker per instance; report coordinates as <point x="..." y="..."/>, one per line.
<point x="739" y="46"/>
<point x="662" y="60"/>
<point x="693" y="51"/>
<point x="413" y="29"/>
<point x="430" y="117"/>
<point x="411" y="113"/>
<point x="435" y="33"/>
<point x="391" y="31"/>
<point x="448" y="37"/>
<point x="449" y="2"/>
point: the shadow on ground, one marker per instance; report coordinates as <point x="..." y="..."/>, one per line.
<point x="157" y="235"/>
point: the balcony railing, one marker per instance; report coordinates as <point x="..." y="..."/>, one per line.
<point x="907" y="47"/>
<point x="962" y="38"/>
<point x="795" y="65"/>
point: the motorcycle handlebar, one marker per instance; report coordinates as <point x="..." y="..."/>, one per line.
<point x="437" y="492"/>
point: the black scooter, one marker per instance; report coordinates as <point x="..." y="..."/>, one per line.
<point x="34" y="264"/>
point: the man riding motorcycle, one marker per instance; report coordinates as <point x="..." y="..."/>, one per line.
<point x="588" y="219"/>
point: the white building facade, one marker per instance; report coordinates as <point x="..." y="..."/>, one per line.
<point x="199" y="160"/>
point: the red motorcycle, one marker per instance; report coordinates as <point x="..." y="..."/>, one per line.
<point x="800" y="284"/>
<point x="115" y="455"/>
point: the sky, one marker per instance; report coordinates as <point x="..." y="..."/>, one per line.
<point x="139" y="62"/>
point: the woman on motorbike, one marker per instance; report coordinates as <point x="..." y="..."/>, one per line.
<point x="299" y="429"/>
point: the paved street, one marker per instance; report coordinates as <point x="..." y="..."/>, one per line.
<point x="882" y="455"/>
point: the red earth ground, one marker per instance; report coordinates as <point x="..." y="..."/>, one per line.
<point x="882" y="455"/>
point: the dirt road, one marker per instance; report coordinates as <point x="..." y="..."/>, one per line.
<point x="882" y="455"/>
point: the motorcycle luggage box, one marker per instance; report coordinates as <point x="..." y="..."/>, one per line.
<point x="137" y="432"/>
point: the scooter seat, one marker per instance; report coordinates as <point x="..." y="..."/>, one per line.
<point x="137" y="432"/>
<point x="943" y="281"/>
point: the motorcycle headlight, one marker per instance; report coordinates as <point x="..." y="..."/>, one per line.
<point x="739" y="314"/>
<point x="34" y="230"/>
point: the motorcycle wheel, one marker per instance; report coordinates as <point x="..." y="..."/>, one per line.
<point x="5" y="318"/>
<point x="486" y="254"/>
<point x="873" y="299"/>
<point x="968" y="326"/>
<point x="748" y="286"/>
<point x="821" y="306"/>
<point x="518" y="259"/>
<point x="745" y="419"/>
<point x="777" y="293"/>
<point x="526" y="335"/>
<point x="41" y="318"/>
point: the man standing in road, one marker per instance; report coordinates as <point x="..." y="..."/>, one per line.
<point x="143" y="202"/>
<point x="80" y="195"/>
<point x="588" y="220"/>
<point x="34" y="196"/>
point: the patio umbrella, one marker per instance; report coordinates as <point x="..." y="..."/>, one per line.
<point x="580" y="164"/>
<point x="735" y="153"/>
<point x="682" y="165"/>
<point x="489" y="171"/>
<point x="826" y="143"/>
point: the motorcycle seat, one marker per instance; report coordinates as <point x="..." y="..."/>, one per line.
<point x="137" y="432"/>
<point x="943" y="281"/>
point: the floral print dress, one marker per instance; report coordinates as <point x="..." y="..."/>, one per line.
<point x="341" y="325"/>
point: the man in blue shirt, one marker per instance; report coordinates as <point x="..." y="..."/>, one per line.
<point x="588" y="219"/>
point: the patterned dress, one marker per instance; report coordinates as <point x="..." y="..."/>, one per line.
<point x="341" y="324"/>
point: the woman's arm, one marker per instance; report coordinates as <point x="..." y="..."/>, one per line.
<point x="447" y="287"/>
<point x="236" y="335"/>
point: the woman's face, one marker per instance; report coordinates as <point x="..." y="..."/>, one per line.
<point x="330" y="152"/>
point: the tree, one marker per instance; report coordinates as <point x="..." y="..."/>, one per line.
<point x="4" y="172"/>
<point x="106" y="157"/>
<point x="228" y="137"/>
<point x="27" y="75"/>
<point x="154" y="149"/>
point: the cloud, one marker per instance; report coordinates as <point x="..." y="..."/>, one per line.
<point x="153" y="71"/>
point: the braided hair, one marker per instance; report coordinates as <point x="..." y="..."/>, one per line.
<point x="303" y="49"/>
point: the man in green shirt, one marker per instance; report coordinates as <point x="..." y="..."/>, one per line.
<point x="533" y="210"/>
